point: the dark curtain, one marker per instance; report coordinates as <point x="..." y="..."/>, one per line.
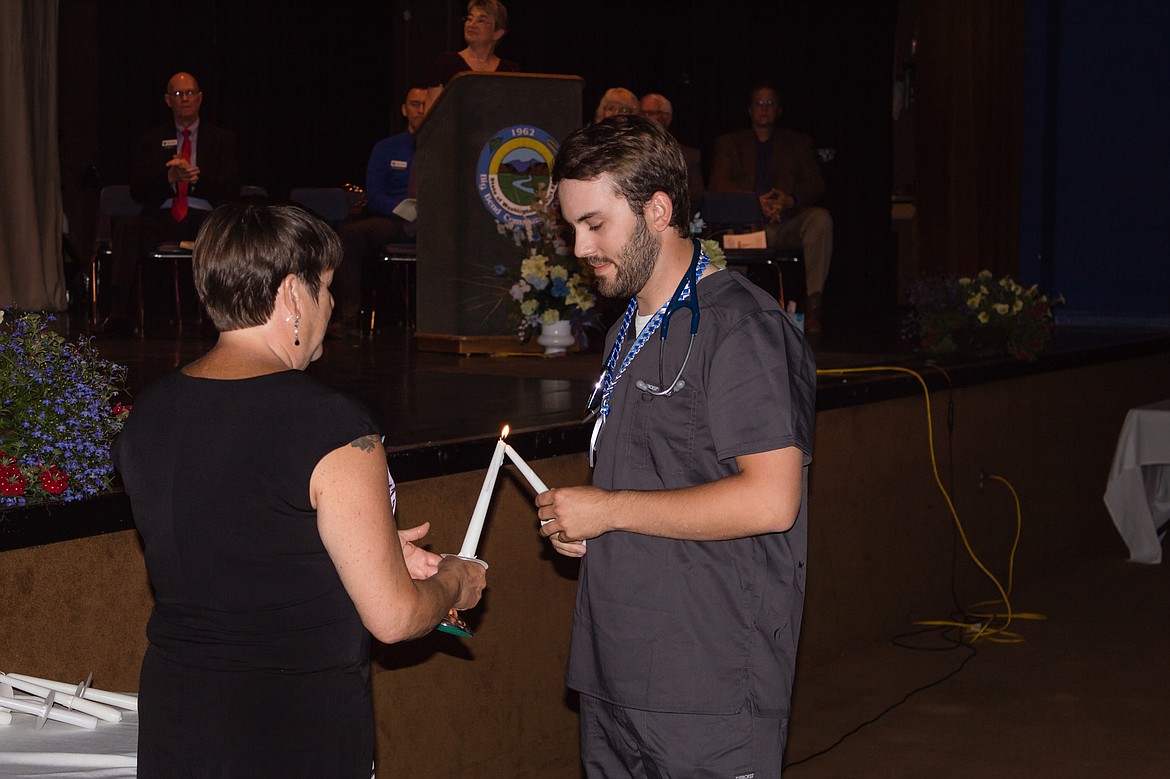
<point x="968" y="115"/>
<point x="31" y="271"/>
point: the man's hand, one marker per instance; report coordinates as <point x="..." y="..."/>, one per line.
<point x="774" y="202"/>
<point x="573" y="515"/>
<point x="178" y="169"/>
<point x="421" y="563"/>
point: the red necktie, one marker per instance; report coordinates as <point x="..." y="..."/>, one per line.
<point x="179" y="203"/>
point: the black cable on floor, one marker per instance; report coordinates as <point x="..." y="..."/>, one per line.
<point x="955" y="643"/>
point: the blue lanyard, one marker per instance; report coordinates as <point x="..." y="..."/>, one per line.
<point x="660" y="316"/>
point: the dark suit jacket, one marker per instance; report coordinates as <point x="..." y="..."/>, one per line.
<point x="795" y="168"/>
<point x="219" y="170"/>
<point x="695" y="187"/>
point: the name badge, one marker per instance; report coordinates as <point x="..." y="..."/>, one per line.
<point x="170" y="143"/>
<point x="399" y="164"/>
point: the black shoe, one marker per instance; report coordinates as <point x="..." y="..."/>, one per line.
<point x="112" y="327"/>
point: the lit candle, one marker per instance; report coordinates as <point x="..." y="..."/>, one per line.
<point x="525" y="469"/>
<point x="475" y="526"/>
<point x="121" y="700"/>
<point x="68" y="700"/>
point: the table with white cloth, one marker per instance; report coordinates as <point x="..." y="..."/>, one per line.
<point x="110" y="751"/>
<point x="1138" y="492"/>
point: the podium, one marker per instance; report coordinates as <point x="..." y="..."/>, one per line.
<point x="484" y="154"/>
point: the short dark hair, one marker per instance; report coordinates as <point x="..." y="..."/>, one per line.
<point x="244" y="251"/>
<point x="494" y="8"/>
<point x="757" y="86"/>
<point x="640" y="156"/>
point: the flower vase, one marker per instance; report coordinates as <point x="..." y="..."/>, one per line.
<point x="556" y="338"/>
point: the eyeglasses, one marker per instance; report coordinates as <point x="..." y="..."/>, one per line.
<point x="181" y="93"/>
<point x="764" y="103"/>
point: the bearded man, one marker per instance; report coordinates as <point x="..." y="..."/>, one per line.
<point x="691" y="586"/>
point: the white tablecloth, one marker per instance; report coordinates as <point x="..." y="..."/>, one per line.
<point x="1138" y="492"/>
<point x="110" y="751"/>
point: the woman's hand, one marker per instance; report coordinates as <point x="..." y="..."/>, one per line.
<point x="470" y="579"/>
<point x="419" y="562"/>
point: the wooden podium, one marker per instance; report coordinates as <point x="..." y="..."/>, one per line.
<point x="484" y="155"/>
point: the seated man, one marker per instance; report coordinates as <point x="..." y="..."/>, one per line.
<point x="655" y="106"/>
<point x="362" y="241"/>
<point x="780" y="167"/>
<point x="181" y="171"/>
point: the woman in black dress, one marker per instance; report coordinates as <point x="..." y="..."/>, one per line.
<point x="266" y="511"/>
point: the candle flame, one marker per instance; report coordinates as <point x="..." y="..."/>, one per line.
<point x="504" y="432"/>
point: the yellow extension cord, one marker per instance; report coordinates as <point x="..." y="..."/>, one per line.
<point x="977" y="624"/>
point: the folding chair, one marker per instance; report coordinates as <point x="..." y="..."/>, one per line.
<point x="329" y="203"/>
<point x="114" y="202"/>
<point x="736" y="212"/>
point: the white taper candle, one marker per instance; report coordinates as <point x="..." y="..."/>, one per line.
<point x="525" y="469"/>
<point x="46" y="708"/>
<point x="121" y="700"/>
<point x="68" y="699"/>
<point x="475" y="526"/>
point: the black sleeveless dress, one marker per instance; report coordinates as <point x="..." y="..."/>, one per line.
<point x="258" y="663"/>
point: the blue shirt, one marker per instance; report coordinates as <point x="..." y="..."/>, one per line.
<point x="388" y="173"/>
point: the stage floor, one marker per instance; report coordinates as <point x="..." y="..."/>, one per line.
<point x="433" y="399"/>
<point x="428" y="398"/>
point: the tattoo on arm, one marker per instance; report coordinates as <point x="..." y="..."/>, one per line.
<point x="366" y="443"/>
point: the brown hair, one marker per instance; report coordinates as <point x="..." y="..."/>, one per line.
<point x="640" y="156"/>
<point x="245" y="249"/>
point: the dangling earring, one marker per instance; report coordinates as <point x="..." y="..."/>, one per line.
<point x="297" y="331"/>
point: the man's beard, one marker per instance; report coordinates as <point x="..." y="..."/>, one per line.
<point x="635" y="264"/>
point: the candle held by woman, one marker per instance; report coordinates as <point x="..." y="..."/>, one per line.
<point x="479" y="514"/>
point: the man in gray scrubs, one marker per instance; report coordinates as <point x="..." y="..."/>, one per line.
<point x="692" y="583"/>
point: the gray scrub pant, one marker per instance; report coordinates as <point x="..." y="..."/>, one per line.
<point x="620" y="742"/>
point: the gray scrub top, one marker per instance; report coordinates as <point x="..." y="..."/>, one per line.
<point x="705" y="627"/>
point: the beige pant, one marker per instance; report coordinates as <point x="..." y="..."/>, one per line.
<point x="811" y="231"/>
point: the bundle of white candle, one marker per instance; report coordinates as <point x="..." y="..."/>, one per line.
<point x="74" y="704"/>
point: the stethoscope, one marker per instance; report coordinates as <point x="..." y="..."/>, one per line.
<point x="686" y="295"/>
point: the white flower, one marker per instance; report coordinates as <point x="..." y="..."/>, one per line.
<point x="697" y="224"/>
<point x="550" y="317"/>
<point x="518" y="289"/>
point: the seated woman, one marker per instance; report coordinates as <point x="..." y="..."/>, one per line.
<point x="263" y="501"/>
<point x="616" y="101"/>
<point x="484" y="25"/>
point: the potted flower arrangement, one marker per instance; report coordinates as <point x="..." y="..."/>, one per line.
<point x="980" y="315"/>
<point x="549" y="291"/>
<point x="57" y="414"/>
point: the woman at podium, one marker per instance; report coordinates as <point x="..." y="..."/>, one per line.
<point x="483" y="27"/>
